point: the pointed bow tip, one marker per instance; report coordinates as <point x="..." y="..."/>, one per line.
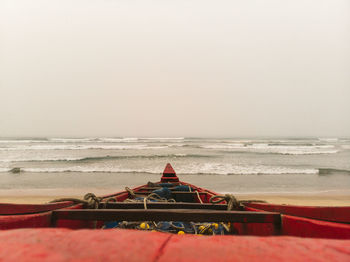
<point x="169" y="174"/>
<point x="169" y="169"/>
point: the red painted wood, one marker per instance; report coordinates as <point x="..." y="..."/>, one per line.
<point x="57" y="245"/>
<point x="14" y="209"/>
<point x="335" y="214"/>
<point x="25" y="221"/>
<point x="169" y="174"/>
<point x="306" y="227"/>
<point x="290" y="225"/>
<point x="169" y="170"/>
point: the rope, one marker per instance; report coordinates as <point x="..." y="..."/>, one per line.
<point x="199" y="198"/>
<point x="145" y="203"/>
<point x="157" y="198"/>
<point x="230" y="200"/>
<point x="151" y="184"/>
<point x="130" y="191"/>
<point x="93" y="200"/>
<point x="90" y="200"/>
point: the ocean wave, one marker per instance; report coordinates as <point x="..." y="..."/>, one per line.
<point x="275" y="149"/>
<point x="200" y="169"/>
<point x="99" y="158"/>
<point x="81" y="147"/>
<point x="162" y="138"/>
<point x="231" y="169"/>
<point x="118" y="140"/>
<point x="142" y="157"/>
<point x="346" y="146"/>
<point x="40" y="159"/>
<point x="93" y="139"/>
<point x="328" y="139"/>
<point x="114" y="139"/>
<point x="73" y="140"/>
<point x="21" y="141"/>
<point x="82" y="169"/>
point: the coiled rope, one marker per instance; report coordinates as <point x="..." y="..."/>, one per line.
<point x="90" y="200"/>
<point x="229" y="198"/>
<point x="152" y="196"/>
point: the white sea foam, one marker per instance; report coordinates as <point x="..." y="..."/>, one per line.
<point x="44" y="158"/>
<point x="208" y="168"/>
<point x="73" y="140"/>
<point x="19" y="141"/>
<point x="162" y="138"/>
<point x="346" y="146"/>
<point x="230" y="169"/>
<point x="276" y="149"/>
<point x="113" y="139"/>
<point x="118" y="140"/>
<point x="80" y="147"/>
<point x="329" y="139"/>
<point x="35" y="158"/>
<point x="85" y="169"/>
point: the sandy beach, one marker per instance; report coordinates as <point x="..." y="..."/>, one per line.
<point x="309" y="200"/>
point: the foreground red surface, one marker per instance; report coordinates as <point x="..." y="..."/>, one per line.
<point x="129" y="245"/>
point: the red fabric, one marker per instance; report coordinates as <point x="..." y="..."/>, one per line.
<point x="130" y="245"/>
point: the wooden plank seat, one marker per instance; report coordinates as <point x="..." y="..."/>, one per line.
<point x="162" y="205"/>
<point x="185" y="215"/>
<point x="173" y="192"/>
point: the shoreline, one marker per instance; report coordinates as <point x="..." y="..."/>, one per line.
<point x="273" y="198"/>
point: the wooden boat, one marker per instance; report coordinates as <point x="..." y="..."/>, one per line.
<point x="46" y="232"/>
<point x="192" y="205"/>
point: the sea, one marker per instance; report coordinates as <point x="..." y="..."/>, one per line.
<point x="71" y="166"/>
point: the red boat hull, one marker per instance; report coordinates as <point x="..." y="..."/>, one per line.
<point x="292" y="225"/>
<point x="131" y="245"/>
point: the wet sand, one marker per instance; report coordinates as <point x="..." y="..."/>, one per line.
<point x="309" y="199"/>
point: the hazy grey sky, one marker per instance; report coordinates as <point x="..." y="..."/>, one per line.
<point x="174" y="68"/>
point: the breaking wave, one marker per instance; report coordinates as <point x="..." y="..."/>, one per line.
<point x="17" y="141"/>
<point x="93" y="139"/>
<point x="275" y="148"/>
<point x="328" y="139"/>
<point x="115" y="140"/>
<point x="99" y="158"/>
<point x="81" y="147"/>
<point x="207" y="169"/>
<point x="231" y="169"/>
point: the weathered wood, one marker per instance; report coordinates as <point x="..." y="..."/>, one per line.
<point x="174" y="193"/>
<point x="21" y="209"/>
<point x="161" y="205"/>
<point x="167" y="215"/>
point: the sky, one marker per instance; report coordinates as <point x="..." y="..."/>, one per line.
<point x="174" y="68"/>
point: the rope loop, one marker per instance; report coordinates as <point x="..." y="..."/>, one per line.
<point x="93" y="200"/>
<point x="90" y="200"/>
<point x="229" y="198"/>
<point x="130" y="191"/>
